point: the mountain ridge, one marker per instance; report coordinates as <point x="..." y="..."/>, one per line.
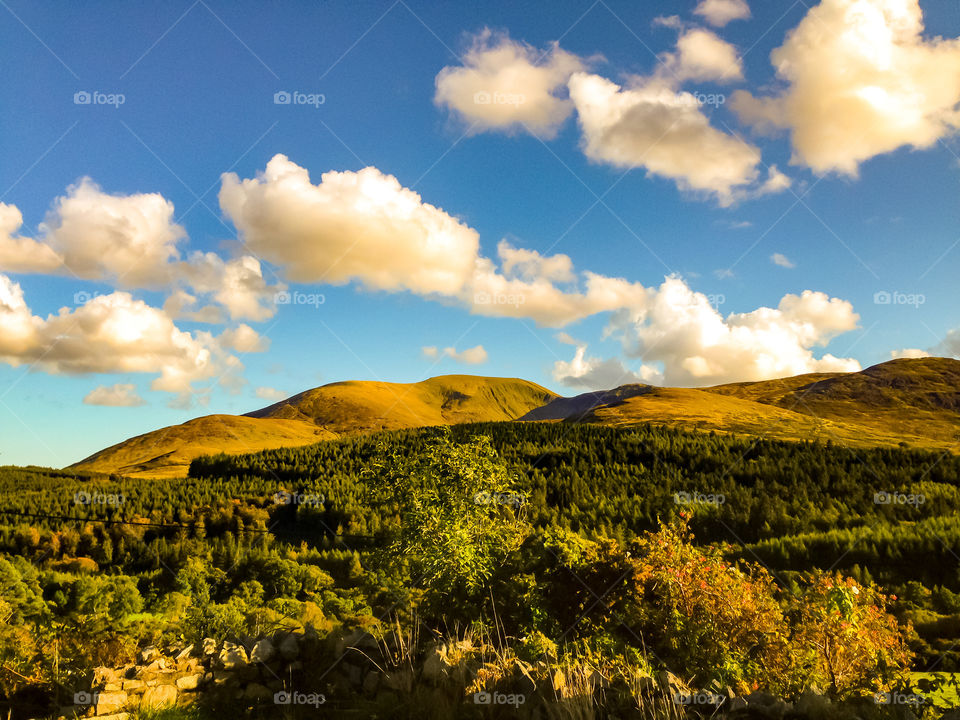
<point x="914" y="401"/>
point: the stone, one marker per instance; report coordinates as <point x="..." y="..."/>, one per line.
<point x="113" y="687"/>
<point x="103" y="676"/>
<point x="263" y="652"/>
<point x="149" y="653"/>
<point x="210" y="646"/>
<point x="400" y="680"/>
<point x="134" y="684"/>
<point x="289" y="647"/>
<point x="434" y="664"/>
<point x="185" y="653"/>
<point x="371" y="682"/>
<point x="110" y="702"/>
<point x="232" y="656"/>
<point x="759" y="697"/>
<point x="188" y="682"/>
<point x="115" y="716"/>
<point x="733" y="704"/>
<point x="159" y="696"/>
<point x="812" y="703"/>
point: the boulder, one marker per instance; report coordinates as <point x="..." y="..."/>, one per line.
<point x="210" y="646"/>
<point x="185" y="653"/>
<point x="263" y="652"/>
<point x="133" y="684"/>
<point x="232" y="656"/>
<point x="110" y="702"/>
<point x="188" y="682"/>
<point x="104" y="675"/>
<point x="148" y="654"/>
<point x="159" y="696"/>
<point x="256" y="691"/>
<point x="290" y="647"/>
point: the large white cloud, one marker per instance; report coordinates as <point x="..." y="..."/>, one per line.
<point x="109" y="334"/>
<point x="360" y="226"/>
<point x="654" y="126"/>
<point x="592" y="373"/>
<point x="507" y="85"/>
<point x="701" y="55"/>
<point x="862" y="80"/>
<point x="696" y="345"/>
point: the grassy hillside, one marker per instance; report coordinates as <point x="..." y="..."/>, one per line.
<point x="321" y="414"/>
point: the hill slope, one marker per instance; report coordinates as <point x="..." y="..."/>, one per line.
<point x="321" y="414"/>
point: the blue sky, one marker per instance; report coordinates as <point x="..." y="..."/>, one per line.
<point x="873" y="212"/>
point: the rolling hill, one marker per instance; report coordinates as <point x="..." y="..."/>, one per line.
<point x="319" y="414"/>
<point x="912" y="401"/>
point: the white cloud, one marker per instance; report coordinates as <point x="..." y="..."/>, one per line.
<point x="21" y="254"/>
<point x="908" y="353"/>
<point x="507" y="85"/>
<point x="271" y="394"/>
<point x="861" y="81"/>
<point x="696" y="345"/>
<point x="243" y="339"/>
<point x="701" y="55"/>
<point x="237" y="284"/>
<point x="782" y="260"/>
<point x="360" y="226"/>
<point x="950" y="345"/>
<point x="654" y="126"/>
<point x="595" y="374"/>
<point x="111" y="333"/>
<point x="119" y="395"/>
<point x="471" y="356"/>
<point x="720" y="12"/>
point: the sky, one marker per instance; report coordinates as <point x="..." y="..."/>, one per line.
<point x="208" y="206"/>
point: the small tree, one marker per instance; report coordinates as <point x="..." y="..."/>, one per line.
<point x="460" y="515"/>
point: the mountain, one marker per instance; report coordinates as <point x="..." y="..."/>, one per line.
<point x="322" y="413"/>
<point x="912" y="401"/>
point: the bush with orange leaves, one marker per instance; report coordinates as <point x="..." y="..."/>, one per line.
<point x="704" y="618"/>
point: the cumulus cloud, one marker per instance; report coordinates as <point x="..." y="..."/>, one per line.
<point x="701" y="55"/>
<point x="237" y="285"/>
<point x="782" y="260"/>
<point x="22" y="254"/>
<point x="244" y="339"/>
<point x="696" y="345"/>
<point x="720" y="12"/>
<point x="591" y="373"/>
<point x="119" y="395"/>
<point x="908" y="353"/>
<point x="507" y="85"/>
<point x="471" y="356"/>
<point x="111" y="333"/>
<point x="360" y="226"/>
<point x="271" y="394"/>
<point x="654" y="126"/>
<point x="861" y="80"/>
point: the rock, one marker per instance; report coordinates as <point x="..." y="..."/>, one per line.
<point x="762" y="698"/>
<point x="263" y="651"/>
<point x="114" y="716"/>
<point x="733" y="704"/>
<point x="354" y="674"/>
<point x="232" y="656"/>
<point x="812" y="703"/>
<point x="210" y="646"/>
<point x="188" y="682"/>
<point x="148" y="654"/>
<point x="434" y="664"/>
<point x="185" y="653"/>
<point x="113" y="687"/>
<point x="159" y="696"/>
<point x="104" y="675"/>
<point x="289" y="647"/>
<point x="110" y="702"/>
<point x="671" y="682"/>
<point x="400" y="680"/>
<point x="256" y="691"/>
<point x="134" y="684"/>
